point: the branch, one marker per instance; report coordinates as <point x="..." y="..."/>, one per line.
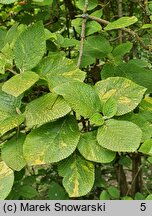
<point x="127" y="30"/>
<point x="84" y="16"/>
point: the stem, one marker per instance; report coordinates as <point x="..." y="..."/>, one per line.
<point x="136" y="175"/>
<point x="83" y="33"/>
<point x="121" y="178"/>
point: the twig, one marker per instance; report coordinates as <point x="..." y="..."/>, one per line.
<point x="84" y="16"/>
<point x="127" y="30"/>
<point x="8" y="69"/>
<point x="120" y="15"/>
<point x="133" y="181"/>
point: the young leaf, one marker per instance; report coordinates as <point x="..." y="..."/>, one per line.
<point x="145" y="26"/>
<point x="110" y="108"/>
<point x="30" y="47"/>
<point x="46" y="108"/>
<point x="51" y="142"/>
<point x="121" y="23"/>
<point x="139" y="196"/>
<point x="20" y="83"/>
<point x="119" y="136"/>
<point x="81" y="97"/>
<point x="6" y="180"/>
<point x="126" y="93"/>
<point x="127" y="198"/>
<point x="104" y="195"/>
<point x="91" y="150"/>
<point x="149" y="197"/>
<point x="76" y="172"/>
<point x="114" y="192"/>
<point x="12" y="152"/>
<point x="146" y="147"/>
<point x="97" y="119"/>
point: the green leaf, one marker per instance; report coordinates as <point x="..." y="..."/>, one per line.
<point x="114" y="192"/>
<point x="87" y="60"/>
<point x="97" y="13"/>
<point x="76" y="172"/>
<point x="51" y="142"/>
<point x="12" y="152"/>
<point x="97" y="47"/>
<point x="125" y="161"/>
<point x="149" y="197"/>
<point x="149" y="160"/>
<point x="91" y="150"/>
<point x="146" y="104"/>
<point x="30" y="46"/>
<point x="122" y="49"/>
<point x="12" y="34"/>
<point x="91" y="26"/>
<point x="110" y="107"/>
<point x="119" y="136"/>
<point x="11" y="122"/>
<point x="139" y="196"/>
<point x="7" y="1"/>
<point x="132" y="70"/>
<point x="127" y="198"/>
<point x="20" y="83"/>
<point x="27" y="191"/>
<point x="126" y="93"/>
<point x="3" y="33"/>
<point x="146" y="147"/>
<point x="56" y="192"/>
<point x="97" y="119"/>
<point x="67" y="42"/>
<point x="104" y="195"/>
<point x="6" y="180"/>
<point x="145" y="26"/>
<point x="9" y="104"/>
<point x="81" y="97"/>
<point x="43" y="2"/>
<point x="46" y="108"/>
<point x="144" y="124"/>
<point x="58" y="69"/>
<point x="6" y="59"/>
<point x="91" y="4"/>
<point x="121" y="23"/>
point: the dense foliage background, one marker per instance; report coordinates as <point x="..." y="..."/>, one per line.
<point x="75" y="99"/>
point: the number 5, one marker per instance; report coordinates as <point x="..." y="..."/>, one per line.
<point x="143" y="206"/>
